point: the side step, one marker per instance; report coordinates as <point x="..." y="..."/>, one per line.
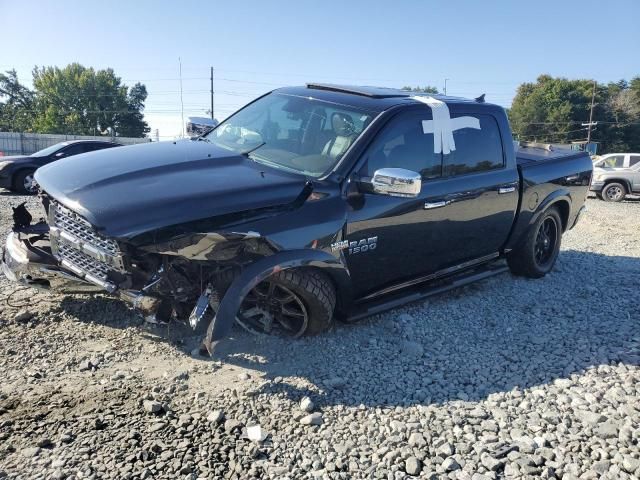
<point x="423" y="291"/>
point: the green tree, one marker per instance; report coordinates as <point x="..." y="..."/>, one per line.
<point x="554" y="110"/>
<point x="425" y="89"/>
<point x="16" y="104"/>
<point x="83" y="101"/>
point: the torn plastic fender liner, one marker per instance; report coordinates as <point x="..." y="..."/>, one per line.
<point x="221" y="324"/>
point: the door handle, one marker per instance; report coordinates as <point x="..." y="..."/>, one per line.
<point x="430" y="205"/>
<point x="506" y="189"/>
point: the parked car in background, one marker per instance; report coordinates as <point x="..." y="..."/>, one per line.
<point x="616" y="175"/>
<point x="197" y="126"/>
<point x="16" y="172"/>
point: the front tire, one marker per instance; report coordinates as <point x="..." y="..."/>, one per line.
<point x="24" y="182"/>
<point x="537" y="254"/>
<point x="289" y="303"/>
<point x="614" y="192"/>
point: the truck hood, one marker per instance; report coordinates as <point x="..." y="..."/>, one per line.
<point x="131" y="190"/>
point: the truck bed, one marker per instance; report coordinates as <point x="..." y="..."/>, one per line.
<point x="526" y="155"/>
<point x="547" y="176"/>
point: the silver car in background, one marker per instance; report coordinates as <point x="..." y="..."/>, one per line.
<point x="616" y="175"/>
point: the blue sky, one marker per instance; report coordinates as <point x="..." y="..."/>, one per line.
<point x="255" y="46"/>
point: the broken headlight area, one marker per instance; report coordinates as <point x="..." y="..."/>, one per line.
<point x="182" y="279"/>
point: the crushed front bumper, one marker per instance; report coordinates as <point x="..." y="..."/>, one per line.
<point x="31" y="264"/>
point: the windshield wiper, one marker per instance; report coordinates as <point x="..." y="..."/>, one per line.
<point x="246" y="153"/>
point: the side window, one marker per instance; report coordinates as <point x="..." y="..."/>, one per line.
<point x="476" y="150"/>
<point x="74" y="149"/>
<point x="614" y="161"/>
<point x="92" y="147"/>
<point x="403" y="144"/>
<point x="634" y="160"/>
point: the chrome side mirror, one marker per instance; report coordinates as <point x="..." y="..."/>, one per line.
<point x="396" y="182"/>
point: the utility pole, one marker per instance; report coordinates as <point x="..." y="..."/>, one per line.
<point x="211" y="93"/>
<point x="181" y="101"/>
<point x="591" y="123"/>
<point x="445" y="85"/>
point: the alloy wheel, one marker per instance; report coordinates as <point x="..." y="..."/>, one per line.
<point x="29" y="183"/>
<point x="273" y="309"/>
<point x="546" y="240"/>
<point x="614" y="193"/>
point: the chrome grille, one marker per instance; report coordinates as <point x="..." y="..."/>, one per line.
<point x="77" y="226"/>
<point x="79" y="248"/>
<point x="84" y="262"/>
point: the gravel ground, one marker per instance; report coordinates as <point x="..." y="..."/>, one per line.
<point x="507" y="378"/>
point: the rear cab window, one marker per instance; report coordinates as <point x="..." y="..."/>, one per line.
<point x="403" y="144"/>
<point x="476" y="150"/>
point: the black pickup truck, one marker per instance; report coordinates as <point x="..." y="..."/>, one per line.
<point x="310" y="203"/>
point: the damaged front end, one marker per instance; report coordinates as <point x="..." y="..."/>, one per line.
<point x="64" y="254"/>
<point x="183" y="277"/>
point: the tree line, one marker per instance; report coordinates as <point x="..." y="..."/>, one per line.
<point x="83" y="101"/>
<point x="72" y="100"/>
<point x="557" y="110"/>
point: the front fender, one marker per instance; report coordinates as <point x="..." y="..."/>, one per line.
<point x="252" y="275"/>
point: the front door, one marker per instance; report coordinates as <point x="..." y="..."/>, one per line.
<point x="464" y="211"/>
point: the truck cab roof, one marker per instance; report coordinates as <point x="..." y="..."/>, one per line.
<point x="374" y="99"/>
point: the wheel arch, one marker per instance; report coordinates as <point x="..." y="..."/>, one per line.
<point x="625" y="183"/>
<point x="559" y="199"/>
<point x="19" y="170"/>
<point x="254" y="273"/>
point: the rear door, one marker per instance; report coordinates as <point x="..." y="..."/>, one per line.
<point x="479" y="192"/>
<point x="464" y="211"/>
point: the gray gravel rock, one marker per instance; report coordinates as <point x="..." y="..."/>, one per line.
<point x="413" y="466"/>
<point x="215" y="416"/>
<point x="152" y="406"/>
<point x="450" y="464"/>
<point x="506" y="378"/>
<point x="23" y="315"/>
<point x="306" y="405"/>
<point x="31" y="452"/>
<point x="312" y="419"/>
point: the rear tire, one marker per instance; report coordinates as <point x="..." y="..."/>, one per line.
<point x="23" y="182"/>
<point x="289" y="303"/>
<point x="614" y="192"/>
<point x="537" y="253"/>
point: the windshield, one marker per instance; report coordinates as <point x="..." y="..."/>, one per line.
<point x="293" y="133"/>
<point x="49" y="150"/>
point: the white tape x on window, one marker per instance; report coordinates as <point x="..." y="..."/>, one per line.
<point x="442" y="126"/>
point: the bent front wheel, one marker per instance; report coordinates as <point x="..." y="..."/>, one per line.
<point x="290" y="303"/>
